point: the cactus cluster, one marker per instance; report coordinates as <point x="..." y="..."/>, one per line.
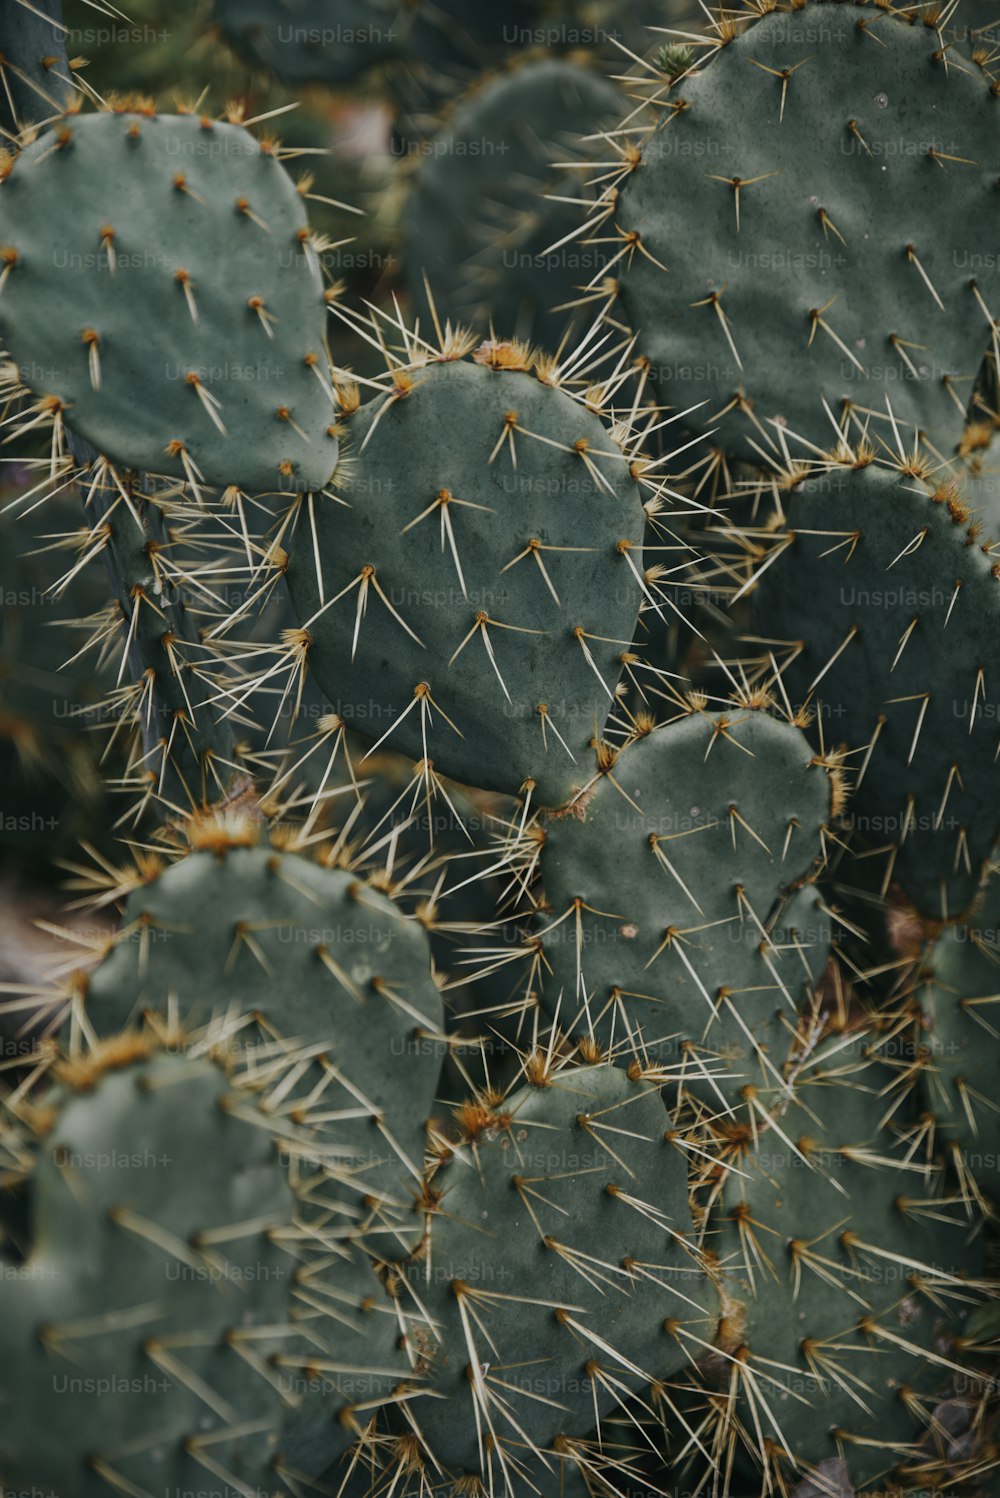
<point x="547" y="1045"/>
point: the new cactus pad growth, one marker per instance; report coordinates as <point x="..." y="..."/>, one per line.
<point x="545" y="1044"/>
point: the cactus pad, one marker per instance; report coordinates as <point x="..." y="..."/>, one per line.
<point x="190" y="335"/>
<point x="487" y="265"/>
<point x="469" y="602"/>
<point x="844" y="1282"/>
<point x="127" y="1335"/>
<point x="668" y="891"/>
<point x="783" y="253"/>
<point x="958" y="993"/>
<point x="883" y="610"/>
<point x="353" y="1358"/>
<point x="557" y="1267"/>
<point x="34" y="73"/>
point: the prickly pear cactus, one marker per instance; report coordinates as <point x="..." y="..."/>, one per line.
<point x="128" y="1340"/>
<point x="881" y="602"/>
<point x="36" y="74"/>
<point x="558" y="1267"/>
<point x="779" y="255"/>
<point x="324" y="961"/>
<point x="955" y="989"/>
<point x="663" y="893"/>
<point x="349" y="1364"/>
<point x="857" y="1319"/>
<point x="193" y="340"/>
<point x="484" y="654"/>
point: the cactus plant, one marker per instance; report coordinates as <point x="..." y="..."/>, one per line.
<point x="491" y="457"/>
<point x="780" y="255"/>
<point x="154" y="1187"/>
<point x="188" y="230"/>
<point x="699" y="1195"/>
<point x="221" y="927"/>
<point x="349" y="1363"/>
<point x="36" y="73"/>
<point x="954" y="988"/>
<point x="909" y="594"/>
<point x="556" y="1268"/>
<point x="878" y="1303"/>
<point x="662" y="903"/>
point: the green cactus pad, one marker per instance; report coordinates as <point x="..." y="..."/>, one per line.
<point x="189" y="337"/>
<point x="832" y="230"/>
<point x="461" y="654"/>
<point x="844" y="1281"/>
<point x="673" y="927"/>
<point x="487" y="265"/>
<point x="325" y="962"/>
<point x="128" y="1336"/>
<point x="884" y="611"/>
<point x="556" y="1266"/>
